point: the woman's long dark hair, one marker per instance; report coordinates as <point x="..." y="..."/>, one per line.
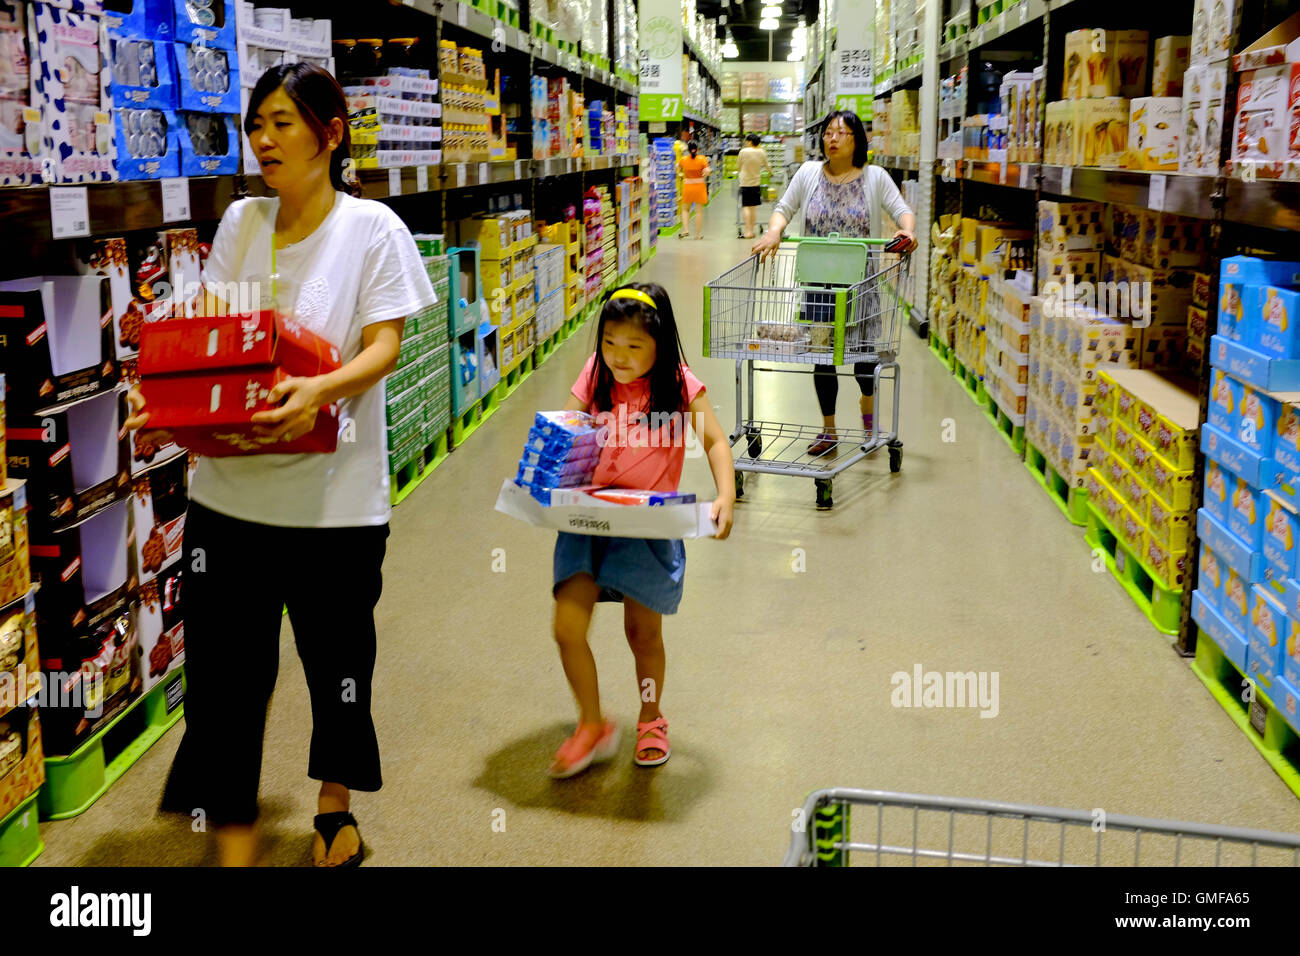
<point x="694" y="147"/>
<point x="667" y="383"/>
<point x="860" y="143"/>
<point x="319" y="99"/>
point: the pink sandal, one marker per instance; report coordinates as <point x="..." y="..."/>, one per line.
<point x="652" y="735"/>
<point x="580" y="751"/>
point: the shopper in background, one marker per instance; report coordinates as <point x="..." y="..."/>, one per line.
<point x="750" y="165"/>
<point x="307" y="532"/>
<point x="636" y="371"/>
<point x="695" y="193"/>
<point x="844" y="195"/>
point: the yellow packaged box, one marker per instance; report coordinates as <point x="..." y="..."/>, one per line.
<point x="1142" y="453"/>
<point x="1106" y="501"/>
<point x="1168" y="565"/>
<point x="1174" y="485"/>
<point x="1103" y="131"/>
<point x="1104" y="400"/>
<point x="1134" y="492"/>
<point x="15" y="562"/>
<point x="1171" y="526"/>
<point x="1153" y="132"/>
<point x="1131" y="530"/>
<point x="1112" y="468"/>
<point x="1169" y="65"/>
<point x="969" y="230"/>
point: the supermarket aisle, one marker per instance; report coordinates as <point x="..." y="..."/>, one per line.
<point x="778" y="680"/>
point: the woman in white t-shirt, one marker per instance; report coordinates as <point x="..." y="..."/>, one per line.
<point x="302" y="531"/>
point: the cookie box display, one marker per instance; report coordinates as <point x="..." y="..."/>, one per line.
<point x="20" y="113"/>
<point x="207" y="78"/>
<point x="1269" y="630"/>
<point x="102" y="681"/>
<point x="140" y="68"/>
<point x="206" y="22"/>
<point x="55" y="340"/>
<point x="83" y="573"/>
<point x="1272" y="320"/>
<point x="20" y="660"/>
<point x="22" y="759"/>
<point x="158" y="519"/>
<point x="15" y="567"/>
<point x="148" y="145"/>
<point x="1281" y="531"/>
<point x="70" y="87"/>
<point x="209" y="144"/>
<point x="76" y="461"/>
<point x="160" y="626"/>
<point x="1153" y="132"/>
<point x="212" y="413"/>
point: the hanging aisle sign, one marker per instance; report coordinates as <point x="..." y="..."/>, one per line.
<point x="852" y="85"/>
<point x="661" y="60"/>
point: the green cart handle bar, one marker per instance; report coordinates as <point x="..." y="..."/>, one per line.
<point x="896" y="244"/>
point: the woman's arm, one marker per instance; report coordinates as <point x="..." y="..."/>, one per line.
<point x="304" y="396"/>
<point x="891" y="200"/>
<point x="575" y="404"/>
<point x="790" y="203"/>
<point x="706" y="425"/>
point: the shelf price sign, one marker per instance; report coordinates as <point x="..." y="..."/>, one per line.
<point x="853" y="84"/>
<point x="661" y="60"/>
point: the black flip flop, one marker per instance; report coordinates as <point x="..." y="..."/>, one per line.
<point x="328" y="826"/>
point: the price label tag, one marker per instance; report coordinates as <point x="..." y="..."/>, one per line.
<point x="69" y="212"/>
<point x="395" y="181"/>
<point x="175" y="200"/>
<point x="1156" y="194"/>
<point x="1024" y="175"/>
<point x="519" y="169"/>
<point x="1247" y="171"/>
<point x="461" y="14"/>
<point x="460" y="174"/>
<point x="1002" y="173"/>
<point x="949" y="170"/>
<point x="483" y="176"/>
<point x="422" y="178"/>
<point x="1067" y="179"/>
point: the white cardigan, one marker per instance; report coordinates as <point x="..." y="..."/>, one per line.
<point x="881" y="194"/>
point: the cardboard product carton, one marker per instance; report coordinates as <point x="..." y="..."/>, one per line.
<point x="1169" y="65"/>
<point x="158" y="519"/>
<point x="1103" y="131"/>
<point x="1263" y="130"/>
<point x="1153" y="132"/>
<point x="55" y="340"/>
<point x="76" y="124"/>
<point x="160" y="625"/>
<point x="1281" y="532"/>
<point x="226" y="342"/>
<point x="1272" y="315"/>
<point x="211" y="413"/>
<point x="1167" y="241"/>
<point x="1070" y="226"/>
<point x="20" y="660"/>
<point x="1170" y="291"/>
<point x="1236" y="275"/>
<point x="15" y="563"/>
<point x="22" y="759"/>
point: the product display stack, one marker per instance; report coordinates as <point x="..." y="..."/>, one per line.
<point x="1247" y="599"/>
<point x="22" y="762"/>
<point x="396" y="118"/>
<point x="506" y="243"/>
<point x="665" y="180"/>
<point x="562" y="451"/>
<point x="593" y="245"/>
<point x="549" y="287"/>
<point x="609" y="239"/>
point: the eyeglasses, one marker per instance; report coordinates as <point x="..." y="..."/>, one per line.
<point x="838" y="134"/>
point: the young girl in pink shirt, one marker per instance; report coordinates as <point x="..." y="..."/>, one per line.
<point x="637" y="382"/>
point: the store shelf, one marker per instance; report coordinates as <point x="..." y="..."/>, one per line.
<point x="1185" y="194"/>
<point x="695" y="52"/>
<point x="908" y="163"/>
<point x="762" y="102"/>
<point x="1274" y="205"/>
<point x="696" y="117"/>
<point x="900" y="79"/>
<point x="952" y="49"/>
<point x="1022" y="14"/>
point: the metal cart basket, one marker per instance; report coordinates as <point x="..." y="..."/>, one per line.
<point x="985" y="833"/>
<point x="824" y="301"/>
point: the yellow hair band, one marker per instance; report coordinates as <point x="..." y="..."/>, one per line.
<point x="634" y="294"/>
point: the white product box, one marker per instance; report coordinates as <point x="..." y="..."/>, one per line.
<point x="1199" y="51"/>
<point x="1170" y="63"/>
<point x="159" y="626"/>
<point x="78" y="144"/>
<point x="1265" y="100"/>
<point x="1153" y="132"/>
<point x="595" y="517"/>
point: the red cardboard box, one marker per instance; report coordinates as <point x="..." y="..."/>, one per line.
<point x="212" y="414"/>
<point x="235" y="341"/>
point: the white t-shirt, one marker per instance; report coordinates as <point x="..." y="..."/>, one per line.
<point x="360" y="266"/>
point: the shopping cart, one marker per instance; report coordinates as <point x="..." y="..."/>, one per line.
<point x="823" y="301"/>
<point x="1014" y="834"/>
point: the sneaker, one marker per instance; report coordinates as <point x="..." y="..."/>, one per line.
<point x="826" y="445"/>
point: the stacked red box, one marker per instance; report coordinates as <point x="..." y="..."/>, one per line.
<point x="204" y="379"/>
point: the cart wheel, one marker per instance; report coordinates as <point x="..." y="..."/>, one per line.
<point x="740" y="484"/>
<point x="824" y="500"/>
<point x="895" y="458"/>
<point x="755" y="446"/>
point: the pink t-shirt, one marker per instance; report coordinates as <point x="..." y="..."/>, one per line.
<point x="633" y="457"/>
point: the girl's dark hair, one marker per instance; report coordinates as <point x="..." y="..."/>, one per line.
<point x="667" y="383"/>
<point x="754" y="138"/>
<point x="860" y="144"/>
<point x="693" y="146"/>
<point x="319" y="99"/>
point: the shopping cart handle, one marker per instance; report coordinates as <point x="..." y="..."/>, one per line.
<point x="896" y="244"/>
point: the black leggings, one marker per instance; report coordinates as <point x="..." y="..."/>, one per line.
<point x="238" y="576"/>
<point x="827" y="383"/>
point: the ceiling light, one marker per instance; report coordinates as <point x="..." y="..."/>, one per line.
<point x="771" y="11"/>
<point x="730" y="51"/>
<point x="768" y="24"/>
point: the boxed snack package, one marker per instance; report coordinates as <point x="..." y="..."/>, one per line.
<point x="158" y="518"/>
<point x="1103" y="131"/>
<point x="15" y="563"/>
<point x="1170" y="64"/>
<point x="1104" y="63"/>
<point x="1236" y="274"/>
<point x="265" y="337"/>
<point x="1281" y="530"/>
<point x="20" y="112"/>
<point x="1263" y="130"/>
<point x="1070" y="226"/>
<point x="22" y="759"/>
<point x="20" y="661"/>
<point x="1153" y="132"/>
<point x="55" y="342"/>
<point x="160" y="626"/>
<point x="1271" y="317"/>
<point x="584" y="514"/>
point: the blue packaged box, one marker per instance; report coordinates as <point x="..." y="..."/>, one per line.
<point x="1231" y="550"/>
<point x="207" y="78"/>
<point x="558" y="477"/>
<point x="1286" y="446"/>
<point x="1254" y="367"/>
<point x="1271" y="316"/>
<point x="142" y="72"/>
<point x="1246" y="514"/>
<point x="1244" y="462"/>
<point x="212" y="24"/>
<point x="1286" y="699"/>
<point x="1213" y="574"/>
<point x="209" y="144"/>
<point x="147" y="144"/>
<point x="1235" y="274"/>
<point x="1228" y="638"/>
<point x="1281" y="529"/>
<point x="1241" y="411"/>
<point x="1270" y="627"/>
<point x="1225" y="399"/>
<point x="1218" y="481"/>
<point x="141" y="20"/>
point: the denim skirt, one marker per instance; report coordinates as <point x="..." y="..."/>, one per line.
<point x="650" y="571"/>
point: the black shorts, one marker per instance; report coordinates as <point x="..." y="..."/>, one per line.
<point x="751" y="195"/>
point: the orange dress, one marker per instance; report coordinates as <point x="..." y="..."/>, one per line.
<point x="694" y="169"/>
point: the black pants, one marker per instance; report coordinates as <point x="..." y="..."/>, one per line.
<point x="238" y="576"/>
<point x="827" y="383"/>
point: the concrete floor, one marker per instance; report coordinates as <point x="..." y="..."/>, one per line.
<point x="778" y="681"/>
